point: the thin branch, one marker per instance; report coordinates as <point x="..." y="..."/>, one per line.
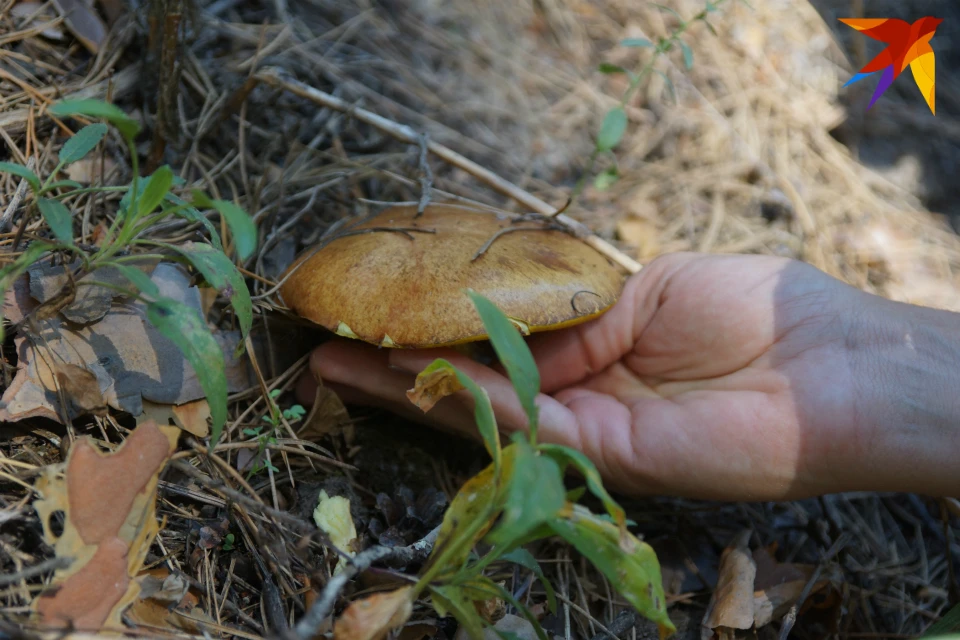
<point x="279" y="78"/>
<point x="309" y="625"/>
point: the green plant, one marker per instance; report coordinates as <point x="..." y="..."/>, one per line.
<point x="228" y="542"/>
<point x="520" y="498"/>
<point x="294" y="413"/>
<point x="144" y="203"/>
<point x="614" y="124"/>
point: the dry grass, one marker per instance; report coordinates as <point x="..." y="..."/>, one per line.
<point x="741" y="159"/>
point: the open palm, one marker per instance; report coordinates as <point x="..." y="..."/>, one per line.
<point x="725" y="377"/>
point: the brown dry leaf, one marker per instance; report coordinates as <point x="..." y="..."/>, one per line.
<point x="80" y="386"/>
<point x="193" y="417"/>
<point x="130" y="358"/>
<point x="326" y="416"/>
<point x="641" y="233"/>
<point x="777" y="586"/>
<point x="373" y="617"/>
<point x="433" y="386"/>
<point x="109" y="507"/>
<point x="731" y="605"/>
<point x="83" y="22"/>
<point x="87" y="170"/>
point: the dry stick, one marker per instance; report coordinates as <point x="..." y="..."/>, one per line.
<point x="309" y="625"/>
<point x="280" y="78"/>
<point x="791" y="618"/>
<point x="16" y="199"/>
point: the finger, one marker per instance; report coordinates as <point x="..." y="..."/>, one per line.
<point x="360" y="374"/>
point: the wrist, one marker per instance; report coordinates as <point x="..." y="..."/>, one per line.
<point x="906" y="367"/>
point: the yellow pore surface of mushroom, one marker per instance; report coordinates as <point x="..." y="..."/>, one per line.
<point x="401" y="283"/>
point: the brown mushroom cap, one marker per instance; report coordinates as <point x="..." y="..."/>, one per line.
<point x="407" y="290"/>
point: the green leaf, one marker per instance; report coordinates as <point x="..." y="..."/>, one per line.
<point x="139" y="279"/>
<point x="453" y="600"/>
<point x="629" y="564"/>
<point x="156" y="189"/>
<point x="535" y="494"/>
<point x="710" y="26"/>
<point x="471" y="514"/>
<point x="666" y="79"/>
<point x="182" y="209"/>
<point x="606" y="178"/>
<point x="526" y="560"/>
<point x="636" y="42"/>
<point x="710" y="7"/>
<point x="183" y="326"/>
<point x="58" y="218"/>
<point x="127" y="126"/>
<point x="606" y="67"/>
<point x="241" y="225"/>
<point x="73" y="184"/>
<point x="687" y="55"/>
<point x="946" y="626"/>
<point x="669" y="10"/>
<point x="218" y="270"/>
<point x="21" y="171"/>
<point x="612" y="130"/>
<point x="565" y="455"/>
<point x="514" y="355"/>
<point x="82" y="143"/>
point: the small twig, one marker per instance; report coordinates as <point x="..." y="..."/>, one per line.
<point x="426" y="175"/>
<point x="309" y="625"/>
<point x="35" y="570"/>
<point x="280" y="78"/>
<point x="791" y="618"/>
<point x="625" y="620"/>
<point x="507" y="230"/>
<point x="17" y="198"/>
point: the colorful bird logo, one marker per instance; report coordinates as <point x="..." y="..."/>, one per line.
<point x="908" y="44"/>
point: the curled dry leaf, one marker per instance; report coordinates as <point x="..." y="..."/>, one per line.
<point x="778" y="586"/>
<point x="731" y="606"/>
<point x="131" y="360"/>
<point x="432" y="386"/>
<point x="327" y="415"/>
<point x="333" y="517"/>
<point x="109" y="511"/>
<point x="373" y="617"/>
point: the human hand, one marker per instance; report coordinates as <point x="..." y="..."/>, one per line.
<point x="720" y="377"/>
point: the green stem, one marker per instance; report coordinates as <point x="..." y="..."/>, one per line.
<point x="662" y="47"/>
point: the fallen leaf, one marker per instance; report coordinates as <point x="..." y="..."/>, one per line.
<point x="731" y="605"/>
<point x="83" y="22"/>
<point x="193" y="417"/>
<point x="333" y="517"/>
<point x="87" y="170"/>
<point x="130" y="358"/>
<point x="373" y="617"/>
<point x="433" y="386"/>
<point x="24" y="10"/>
<point x="80" y="386"/>
<point x="327" y="415"/>
<point x="778" y="586"/>
<point x="89" y="302"/>
<point x="108" y="503"/>
<point x="640" y="233"/>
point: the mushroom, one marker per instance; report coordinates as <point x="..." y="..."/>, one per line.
<point x="398" y="279"/>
